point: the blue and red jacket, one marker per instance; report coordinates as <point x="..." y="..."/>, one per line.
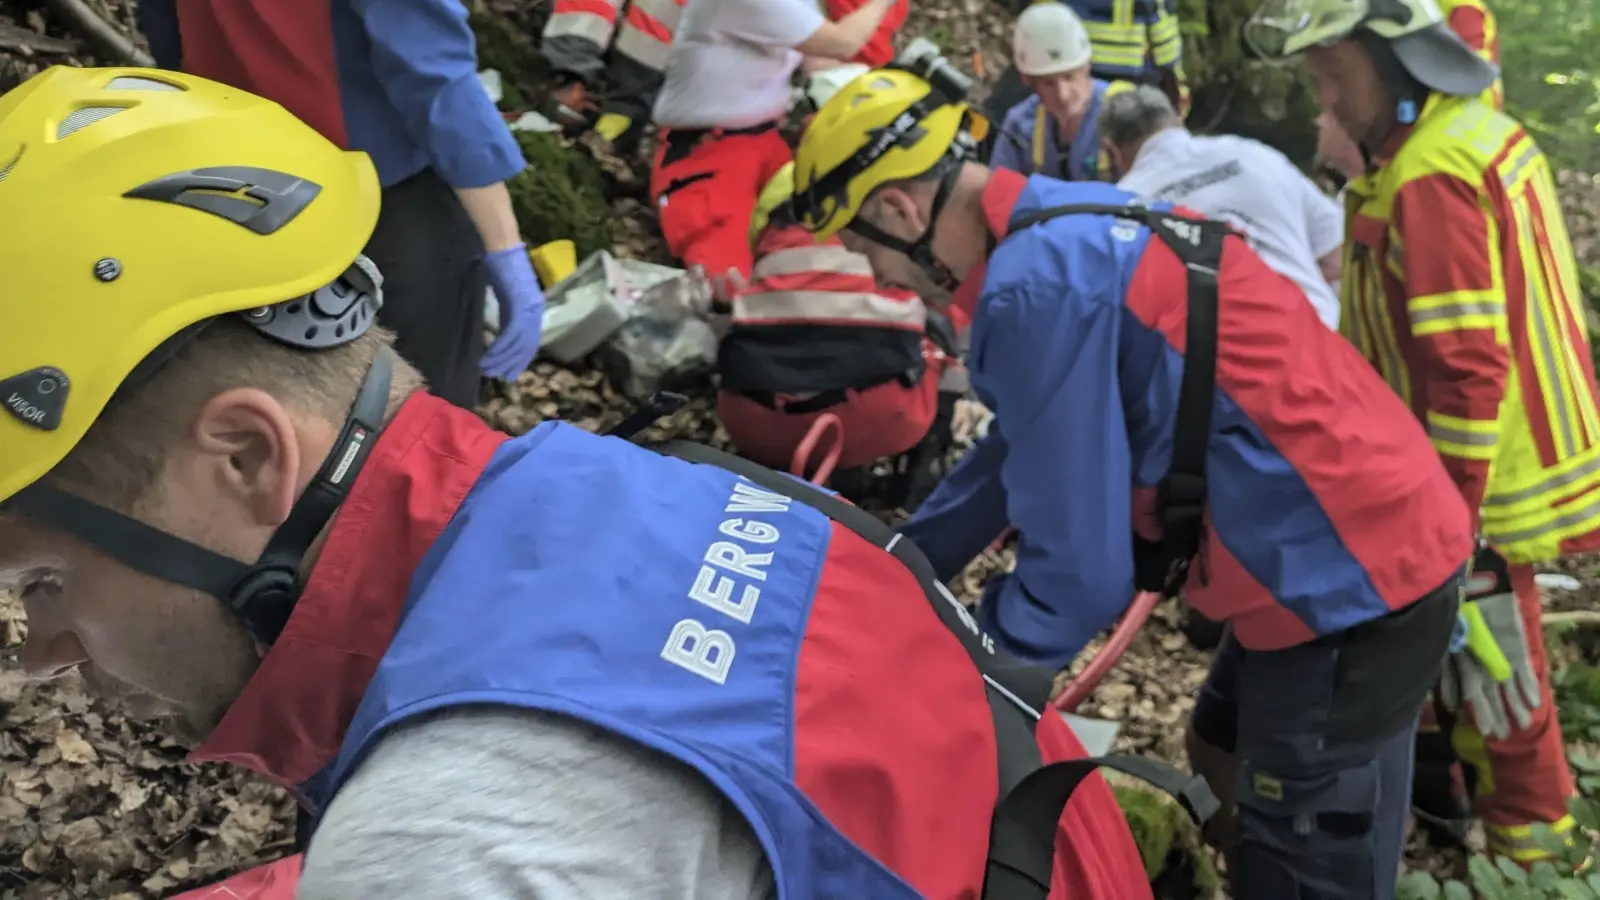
<point x="440" y="585"/>
<point x="397" y="80"/>
<point x="1327" y="504"/>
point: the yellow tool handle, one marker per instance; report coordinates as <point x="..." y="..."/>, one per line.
<point x="1480" y="640"/>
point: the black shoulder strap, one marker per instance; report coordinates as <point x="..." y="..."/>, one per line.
<point x="1182" y="492"/>
<point x="1033" y="796"/>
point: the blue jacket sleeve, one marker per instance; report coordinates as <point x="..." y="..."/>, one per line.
<point x="1012" y="147"/>
<point x="426" y="58"/>
<point x="1050" y="362"/>
<point x="965" y="513"/>
<point x="158" y="19"/>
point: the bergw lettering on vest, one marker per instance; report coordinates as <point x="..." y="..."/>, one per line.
<point x="730" y="566"/>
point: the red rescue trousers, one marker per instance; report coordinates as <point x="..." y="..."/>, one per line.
<point x="1524" y="779"/>
<point x="880" y="421"/>
<point x="705" y="184"/>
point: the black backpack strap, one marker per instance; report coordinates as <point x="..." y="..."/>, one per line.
<point x="1181" y="496"/>
<point x="1025" y="821"/>
<point x="1033" y="796"/>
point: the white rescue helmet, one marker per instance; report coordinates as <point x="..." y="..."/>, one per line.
<point x="1050" y="39"/>
<point x="822" y="85"/>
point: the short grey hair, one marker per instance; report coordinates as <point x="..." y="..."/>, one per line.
<point x="1132" y="116"/>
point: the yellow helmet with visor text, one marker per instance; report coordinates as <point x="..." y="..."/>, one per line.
<point x="887" y="125"/>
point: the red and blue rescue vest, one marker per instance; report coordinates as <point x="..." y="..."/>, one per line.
<point x="794" y="664"/>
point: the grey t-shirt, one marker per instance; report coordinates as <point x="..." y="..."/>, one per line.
<point x="492" y="803"/>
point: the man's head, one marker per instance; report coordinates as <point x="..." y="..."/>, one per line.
<point x="1052" y="53"/>
<point x="1375" y="61"/>
<point x="193" y="323"/>
<point x="1335" y="149"/>
<point x="886" y="166"/>
<point x="1131" y="117"/>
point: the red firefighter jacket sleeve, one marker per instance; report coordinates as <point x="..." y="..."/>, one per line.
<point x="1456" y="304"/>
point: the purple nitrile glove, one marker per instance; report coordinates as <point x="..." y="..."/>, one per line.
<point x="516" y="288"/>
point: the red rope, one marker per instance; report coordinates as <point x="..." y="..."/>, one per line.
<point x="1079" y="689"/>
<point x="808" y="448"/>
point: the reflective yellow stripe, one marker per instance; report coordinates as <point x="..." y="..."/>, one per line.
<point x="1120" y="45"/>
<point x="1528" y="843"/>
<point x="1365" y="318"/>
<point x="1463" y="438"/>
<point x="1122" y="12"/>
<point x="1166" y="44"/>
<point x="1457" y="311"/>
<point x="1040" y="122"/>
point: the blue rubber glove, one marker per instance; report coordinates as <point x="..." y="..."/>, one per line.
<point x="516" y="288"/>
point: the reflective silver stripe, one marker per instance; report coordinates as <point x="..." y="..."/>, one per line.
<point x="829" y="306"/>
<point x="667" y="12"/>
<point x="1458" y="436"/>
<point x="1451" y="311"/>
<point x="584" y="25"/>
<point x="642" y="48"/>
<point x="828" y="258"/>
<point x="1559" y="521"/>
<point x="1549" y="356"/>
<point x="1510" y="174"/>
<point x="1549" y="485"/>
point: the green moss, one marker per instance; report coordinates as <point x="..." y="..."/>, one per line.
<point x="561" y="195"/>
<point x="508" y="49"/>
<point x="1169" y="843"/>
<point x="1236" y="94"/>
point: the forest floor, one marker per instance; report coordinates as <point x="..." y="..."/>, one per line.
<point x="93" y="805"/>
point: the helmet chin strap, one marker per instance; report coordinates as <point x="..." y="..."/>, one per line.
<point x="261" y="595"/>
<point x="920" y="251"/>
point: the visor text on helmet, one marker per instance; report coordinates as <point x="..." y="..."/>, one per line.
<point x="36" y="397"/>
<point x="709" y="652"/>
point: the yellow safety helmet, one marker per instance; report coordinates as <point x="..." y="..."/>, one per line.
<point x="779" y="188"/>
<point x="887" y="125"/>
<point x="1417" y="31"/>
<point x="143" y="204"/>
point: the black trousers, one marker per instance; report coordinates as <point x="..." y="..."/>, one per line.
<point x="433" y="284"/>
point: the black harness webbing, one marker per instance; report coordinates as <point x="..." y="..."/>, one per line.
<point x="1181" y="496"/>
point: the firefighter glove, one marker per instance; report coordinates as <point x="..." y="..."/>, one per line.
<point x="516" y="289"/>
<point x="1492" y="677"/>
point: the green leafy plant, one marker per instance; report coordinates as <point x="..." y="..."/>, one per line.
<point x="1570" y="875"/>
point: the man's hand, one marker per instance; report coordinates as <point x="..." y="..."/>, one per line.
<point x="516" y="287"/>
<point x="1492" y="674"/>
<point x="727" y="286"/>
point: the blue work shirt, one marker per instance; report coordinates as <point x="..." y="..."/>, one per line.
<point x="1029" y="142"/>
<point x="397" y="80"/>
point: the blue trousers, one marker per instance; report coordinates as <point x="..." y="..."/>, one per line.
<point x="1323" y="734"/>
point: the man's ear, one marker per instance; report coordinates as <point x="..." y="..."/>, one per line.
<point x="899" y="213"/>
<point x="250" y="450"/>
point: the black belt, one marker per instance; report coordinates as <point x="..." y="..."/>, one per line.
<point x="817" y="403"/>
<point x="680" y="141"/>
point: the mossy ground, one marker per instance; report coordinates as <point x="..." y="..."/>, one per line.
<point x="564" y="192"/>
<point x="1169" y="843"/>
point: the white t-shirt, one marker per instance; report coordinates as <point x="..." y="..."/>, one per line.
<point x="496" y="803"/>
<point x="732" y="60"/>
<point x="1257" y="190"/>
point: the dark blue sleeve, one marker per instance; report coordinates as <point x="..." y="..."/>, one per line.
<point x="1051" y="365"/>
<point x="965" y="513"/>
<point x="158" y="19"/>
<point x="1013" y="146"/>
<point x="425" y="56"/>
